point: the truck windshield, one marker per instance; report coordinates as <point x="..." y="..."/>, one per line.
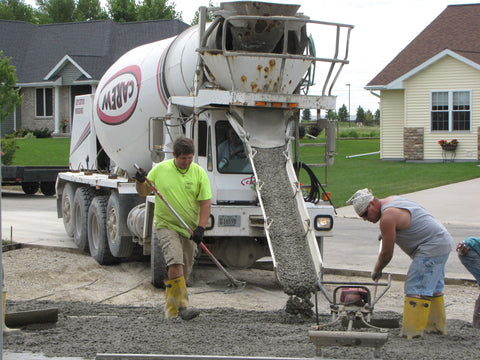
<point x="231" y="156"/>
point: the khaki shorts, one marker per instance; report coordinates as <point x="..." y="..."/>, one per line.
<point x="177" y="249"/>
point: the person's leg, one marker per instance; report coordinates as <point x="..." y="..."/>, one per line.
<point x="176" y="299"/>
<point x="471" y="260"/>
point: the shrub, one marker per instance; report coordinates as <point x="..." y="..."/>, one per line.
<point x="29" y="135"/>
<point x="42" y="133"/>
<point x="9" y="145"/>
<point x="314" y="130"/>
<point x="301" y="131"/>
<point x="349" y="134"/>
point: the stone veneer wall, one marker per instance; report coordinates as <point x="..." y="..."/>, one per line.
<point x="413" y="143"/>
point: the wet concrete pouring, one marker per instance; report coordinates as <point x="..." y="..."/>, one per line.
<point x="295" y="268"/>
<point x="116" y="310"/>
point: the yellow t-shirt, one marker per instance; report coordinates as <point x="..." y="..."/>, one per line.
<point x="183" y="191"/>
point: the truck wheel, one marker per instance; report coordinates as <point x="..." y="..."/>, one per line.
<point x="158" y="265"/>
<point x="81" y="202"/>
<point x="30" y="188"/>
<point x="47" y="188"/>
<point x="67" y="209"/>
<point x="120" y="246"/>
<point x="97" y="232"/>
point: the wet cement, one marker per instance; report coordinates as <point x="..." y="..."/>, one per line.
<point x="85" y="329"/>
<point x="294" y="265"/>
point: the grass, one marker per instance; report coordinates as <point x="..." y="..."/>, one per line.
<point x="343" y="178"/>
<point x="48" y="152"/>
<point x="382" y="177"/>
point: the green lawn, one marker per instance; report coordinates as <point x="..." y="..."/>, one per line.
<point x="50" y="151"/>
<point x="383" y="177"/>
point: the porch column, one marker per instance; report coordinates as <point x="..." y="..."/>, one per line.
<point x="57" y="109"/>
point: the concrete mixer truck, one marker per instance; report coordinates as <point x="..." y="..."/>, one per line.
<point x="246" y="73"/>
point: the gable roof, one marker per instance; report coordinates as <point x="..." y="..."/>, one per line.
<point x="91" y="46"/>
<point x="456" y="29"/>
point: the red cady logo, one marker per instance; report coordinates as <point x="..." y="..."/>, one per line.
<point x="248" y="181"/>
<point x="119" y="96"/>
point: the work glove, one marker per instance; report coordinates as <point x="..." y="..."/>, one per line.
<point x="376" y="275"/>
<point x="140" y="175"/>
<point x="198" y="234"/>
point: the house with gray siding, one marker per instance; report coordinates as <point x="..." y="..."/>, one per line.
<point x="56" y="62"/>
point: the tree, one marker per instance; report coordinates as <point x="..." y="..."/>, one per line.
<point x="197" y="15"/>
<point x="56" y="11"/>
<point x="360" y="115"/>
<point x="89" y="10"/>
<point x="343" y="113"/>
<point x="368" y="118"/>
<point x="9" y="95"/>
<point x="16" y="10"/>
<point x="377" y="116"/>
<point x="332" y="115"/>
<point x="156" y="9"/>
<point x="122" y="10"/>
<point x="306" y="115"/>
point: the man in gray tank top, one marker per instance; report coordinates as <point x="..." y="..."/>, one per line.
<point x="426" y="241"/>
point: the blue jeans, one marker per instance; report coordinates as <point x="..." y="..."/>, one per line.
<point x="426" y="275"/>
<point x="471" y="260"/>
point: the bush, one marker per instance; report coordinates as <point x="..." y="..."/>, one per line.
<point x="301" y="131"/>
<point x="349" y="134"/>
<point x="29" y="135"/>
<point x="314" y="130"/>
<point x="9" y="145"/>
<point x="42" y="133"/>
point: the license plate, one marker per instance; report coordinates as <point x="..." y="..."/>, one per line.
<point x="229" y="220"/>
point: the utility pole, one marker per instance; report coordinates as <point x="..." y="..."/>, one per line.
<point x="348" y="104"/>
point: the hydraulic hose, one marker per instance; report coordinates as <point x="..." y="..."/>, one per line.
<point x="316" y="187"/>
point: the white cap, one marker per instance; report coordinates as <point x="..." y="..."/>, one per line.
<point x="360" y="200"/>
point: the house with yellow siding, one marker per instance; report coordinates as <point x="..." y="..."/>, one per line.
<point x="431" y="92"/>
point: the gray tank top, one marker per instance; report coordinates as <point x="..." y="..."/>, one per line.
<point x="425" y="236"/>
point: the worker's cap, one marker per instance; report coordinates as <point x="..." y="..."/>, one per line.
<point x="360" y="200"/>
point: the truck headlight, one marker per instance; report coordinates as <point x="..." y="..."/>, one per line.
<point x="323" y="222"/>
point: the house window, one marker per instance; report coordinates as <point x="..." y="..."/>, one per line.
<point x="44" y="101"/>
<point x="450" y="111"/>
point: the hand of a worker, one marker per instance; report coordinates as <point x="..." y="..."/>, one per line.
<point x="376" y="275"/>
<point x="140" y="175"/>
<point x="198" y="234"/>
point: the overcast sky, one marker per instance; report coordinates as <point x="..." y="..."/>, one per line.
<point x="382" y="29"/>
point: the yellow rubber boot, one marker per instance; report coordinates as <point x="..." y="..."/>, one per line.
<point x="415" y="317"/>
<point x="171" y="309"/>
<point x="436" y="317"/>
<point x="179" y="289"/>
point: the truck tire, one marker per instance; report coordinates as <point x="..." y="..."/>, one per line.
<point x="47" y="188"/>
<point x="81" y="202"/>
<point x="158" y="265"/>
<point x="97" y="231"/>
<point x="120" y="246"/>
<point x="67" y="209"/>
<point x="30" y="188"/>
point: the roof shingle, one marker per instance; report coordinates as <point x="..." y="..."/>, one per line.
<point x="94" y="45"/>
<point x="457" y="28"/>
